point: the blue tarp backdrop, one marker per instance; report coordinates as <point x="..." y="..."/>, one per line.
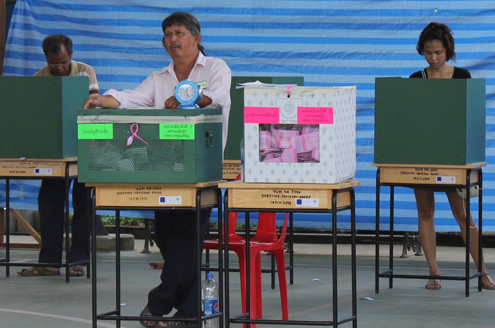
<point x="330" y="43"/>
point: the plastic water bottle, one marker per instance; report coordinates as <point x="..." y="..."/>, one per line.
<point x="209" y="296"/>
<point x="242" y="160"/>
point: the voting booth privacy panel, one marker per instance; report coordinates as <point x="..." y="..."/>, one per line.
<point x="38" y="115"/>
<point x="430" y="121"/>
<point x="150" y="145"/>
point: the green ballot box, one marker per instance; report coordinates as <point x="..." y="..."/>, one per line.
<point x="149" y="145"/>
<point x="38" y="115"/>
<point x="429" y="121"/>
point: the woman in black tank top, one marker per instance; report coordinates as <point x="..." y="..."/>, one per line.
<point x="436" y="44"/>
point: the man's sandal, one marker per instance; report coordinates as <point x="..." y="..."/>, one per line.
<point x="38" y="272"/>
<point x="149" y="323"/>
<point x="182" y="324"/>
<point x="146" y="313"/>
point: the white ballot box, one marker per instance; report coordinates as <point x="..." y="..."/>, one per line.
<point x="299" y="134"/>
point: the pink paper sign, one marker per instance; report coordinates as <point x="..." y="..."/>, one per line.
<point x="315" y="115"/>
<point x="263" y="115"/>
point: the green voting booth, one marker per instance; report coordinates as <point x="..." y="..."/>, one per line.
<point x="149" y="145"/>
<point x="38" y="115"/>
<point x="429" y="121"/>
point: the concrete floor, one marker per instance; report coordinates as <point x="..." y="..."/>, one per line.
<point x="50" y="302"/>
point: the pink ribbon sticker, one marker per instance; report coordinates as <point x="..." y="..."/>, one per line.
<point x="134" y="134"/>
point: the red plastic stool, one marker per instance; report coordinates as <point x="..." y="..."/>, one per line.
<point x="265" y="239"/>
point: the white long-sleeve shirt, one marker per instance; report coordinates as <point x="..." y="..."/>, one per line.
<point x="159" y="86"/>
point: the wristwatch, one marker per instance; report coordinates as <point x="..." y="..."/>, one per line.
<point x="188" y="92"/>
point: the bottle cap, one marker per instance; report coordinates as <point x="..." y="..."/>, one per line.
<point x="209" y="275"/>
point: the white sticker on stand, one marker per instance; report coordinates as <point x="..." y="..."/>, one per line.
<point x="170" y="200"/>
<point x="305" y="202"/>
<point x="446" y="180"/>
<point x="38" y="171"/>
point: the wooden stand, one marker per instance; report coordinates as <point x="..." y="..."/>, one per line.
<point x="437" y="177"/>
<point x="65" y="168"/>
<point x="292" y="198"/>
<point x="152" y="197"/>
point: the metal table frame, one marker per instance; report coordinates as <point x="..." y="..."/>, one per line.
<point x="244" y="317"/>
<point x="389" y="273"/>
<point x="69" y="164"/>
<point x="116" y="313"/>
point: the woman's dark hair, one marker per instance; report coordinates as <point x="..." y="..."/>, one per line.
<point x="184" y="19"/>
<point x="51" y="44"/>
<point x="439" y="32"/>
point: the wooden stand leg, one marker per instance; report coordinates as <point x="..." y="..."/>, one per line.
<point x="26" y="226"/>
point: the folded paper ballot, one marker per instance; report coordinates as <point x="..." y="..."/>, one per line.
<point x="261" y="84"/>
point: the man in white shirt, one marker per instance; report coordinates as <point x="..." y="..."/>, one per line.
<point x="176" y="229"/>
<point x="188" y="62"/>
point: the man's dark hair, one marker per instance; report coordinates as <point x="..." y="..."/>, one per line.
<point x="184" y="19"/>
<point x="52" y="44"/>
<point x="439" y="32"/>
